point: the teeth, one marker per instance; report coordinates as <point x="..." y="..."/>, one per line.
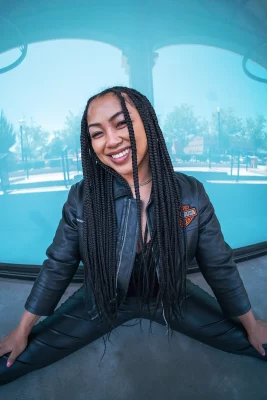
<point x="121" y="154"/>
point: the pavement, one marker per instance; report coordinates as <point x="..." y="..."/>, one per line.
<point x="141" y="366"/>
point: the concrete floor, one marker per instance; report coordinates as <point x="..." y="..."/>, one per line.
<point x="138" y="367"/>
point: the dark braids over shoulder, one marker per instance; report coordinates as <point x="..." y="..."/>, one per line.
<point x="168" y="246"/>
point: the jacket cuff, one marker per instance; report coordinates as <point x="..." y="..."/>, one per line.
<point x="235" y="302"/>
<point x="46" y="306"/>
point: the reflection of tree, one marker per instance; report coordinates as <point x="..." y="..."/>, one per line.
<point x="54" y="149"/>
<point x="35" y="139"/>
<point x="38" y="142"/>
<point x="256" y="131"/>
<point x="181" y="122"/>
<point x="7" y="134"/>
<point x="231" y="127"/>
<point x="70" y="135"/>
<point x="181" y="125"/>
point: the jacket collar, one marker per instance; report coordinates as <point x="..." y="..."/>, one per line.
<point x="120" y="189"/>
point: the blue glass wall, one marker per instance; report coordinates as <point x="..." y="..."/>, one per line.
<point x="212" y="115"/>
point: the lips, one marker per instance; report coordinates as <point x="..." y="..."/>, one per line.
<point x="114" y="153"/>
<point x="122" y="159"/>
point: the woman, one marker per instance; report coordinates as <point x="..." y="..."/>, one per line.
<point x="136" y="225"/>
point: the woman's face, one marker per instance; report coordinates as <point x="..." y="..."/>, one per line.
<point x="110" y="136"/>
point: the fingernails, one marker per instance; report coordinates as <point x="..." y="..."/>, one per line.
<point x="8" y="364"/>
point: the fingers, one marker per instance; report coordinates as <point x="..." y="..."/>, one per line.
<point x="257" y="346"/>
<point x="3" y="348"/>
<point x="261" y="350"/>
<point x="12" y="358"/>
<point x="15" y="351"/>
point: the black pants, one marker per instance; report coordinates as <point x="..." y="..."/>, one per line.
<point x="70" y="328"/>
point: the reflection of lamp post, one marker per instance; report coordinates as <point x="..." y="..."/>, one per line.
<point x="24" y="156"/>
<point x="21" y="139"/>
<point x="219" y="126"/>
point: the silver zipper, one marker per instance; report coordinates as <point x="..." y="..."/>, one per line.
<point x="123" y="238"/>
<point x="157" y="272"/>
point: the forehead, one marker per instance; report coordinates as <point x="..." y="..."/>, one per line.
<point x="104" y="107"/>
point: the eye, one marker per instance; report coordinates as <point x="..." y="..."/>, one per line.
<point x="96" y="134"/>
<point x="121" y="123"/>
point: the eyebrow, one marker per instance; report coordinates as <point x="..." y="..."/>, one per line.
<point x="110" y="119"/>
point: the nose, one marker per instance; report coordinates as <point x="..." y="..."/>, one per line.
<point x="112" y="138"/>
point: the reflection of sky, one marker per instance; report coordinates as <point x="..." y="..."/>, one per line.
<point x="59" y="76"/>
<point x="56" y="77"/>
<point x="207" y="77"/>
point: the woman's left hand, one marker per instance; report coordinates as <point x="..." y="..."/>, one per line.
<point x="258" y="336"/>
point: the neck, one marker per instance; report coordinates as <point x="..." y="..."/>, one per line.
<point x="144" y="183"/>
<point x="144" y="191"/>
<point x="144" y="174"/>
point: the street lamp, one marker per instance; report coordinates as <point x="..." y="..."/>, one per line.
<point x="21" y="139"/>
<point x="219" y="126"/>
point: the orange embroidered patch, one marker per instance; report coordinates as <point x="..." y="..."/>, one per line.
<point x="189" y="214"/>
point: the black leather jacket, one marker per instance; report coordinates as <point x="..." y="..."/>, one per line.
<point x="204" y="237"/>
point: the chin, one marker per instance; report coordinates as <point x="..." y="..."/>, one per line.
<point x="122" y="170"/>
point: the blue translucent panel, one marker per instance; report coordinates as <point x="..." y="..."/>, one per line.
<point x="210" y="112"/>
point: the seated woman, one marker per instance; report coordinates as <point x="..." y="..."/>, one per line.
<point x="136" y="225"/>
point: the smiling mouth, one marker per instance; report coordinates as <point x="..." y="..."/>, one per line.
<point x="122" y="154"/>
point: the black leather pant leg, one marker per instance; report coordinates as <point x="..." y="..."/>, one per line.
<point x="61" y="334"/>
<point x="204" y="321"/>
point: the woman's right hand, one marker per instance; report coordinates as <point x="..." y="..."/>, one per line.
<point x="15" y="342"/>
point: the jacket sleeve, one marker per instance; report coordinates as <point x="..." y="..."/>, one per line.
<point x="62" y="261"/>
<point x="215" y="260"/>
